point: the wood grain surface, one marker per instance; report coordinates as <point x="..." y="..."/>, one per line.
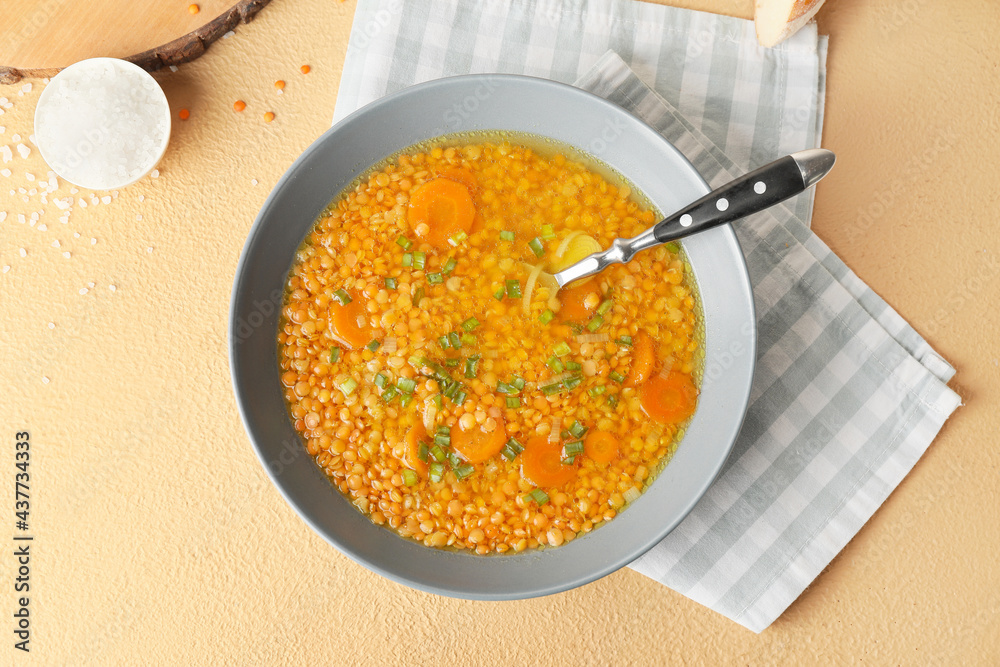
<point x="40" y="37"/>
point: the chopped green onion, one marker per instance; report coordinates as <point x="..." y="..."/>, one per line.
<point x="573" y="382"/>
<point x="410" y="478"/>
<point x="390" y="283"/>
<point x="418" y="297"/>
<point x="547" y="233"/>
<point x="348" y="386"/>
<point x="546" y="317"/>
<point x="450" y="389"/>
<point x="595" y="323"/>
<point x="381" y="381"/>
<point x="470" y="366"/>
<point x="554" y="388"/>
<point x="573" y="448"/>
<point x="568" y="461"/>
<point x="408" y="259"/>
<point x="464" y="471"/>
<point x="605" y="306"/>
<point x="536" y="247"/>
<point x="454" y="459"/>
<point x="334" y="355"/>
<point x="624" y="340"/>
<point x="443" y="439"/>
<point x="342" y="297"/>
<point x="673" y="247"/>
<point x="422" y="452"/>
<point x="437" y="452"/>
<point x="435" y="472"/>
<point x="598" y="390"/>
<point x="389" y="394"/>
<point x="405" y="400"/>
<point x="561" y="349"/>
<point x="508" y="453"/>
<point x="506" y="236"/>
<point x="513" y="402"/>
<point x="455" y="340"/>
<point x="460" y="398"/>
<point x="434" y="279"/>
<point x="442" y="430"/>
<point x="555" y="364"/>
<point x="515" y="445"/>
<point x="449" y="266"/>
<point x="577" y="429"/>
<point x="436" y="398"/>
<point x="372" y="346"/>
<point x="617" y="377"/>
<point x="573" y="366"/>
<point x="504" y="388"/>
<point x="418" y="362"/>
<point x="518" y="382"/>
<point x="468" y="339"/>
<point x="404" y="242"/>
<point x="470" y="324"/>
<point x="443" y="342"/>
<point x="538" y="496"/>
<point x="513" y="289"/>
<point x="406" y="385"/>
<point x="451" y="363"/>
<point x="419" y="260"/>
<point x="613" y="400"/>
<point x="457" y="239"/>
<point x="498" y="295"/>
<point x="576" y="328"/>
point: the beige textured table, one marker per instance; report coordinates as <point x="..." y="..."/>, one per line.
<point x="158" y="537"/>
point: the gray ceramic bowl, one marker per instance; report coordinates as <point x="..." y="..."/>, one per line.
<point x="467" y="103"/>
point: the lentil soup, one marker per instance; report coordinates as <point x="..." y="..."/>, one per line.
<point x="443" y="383"/>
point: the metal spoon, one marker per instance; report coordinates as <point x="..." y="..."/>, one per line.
<point x="752" y="193"/>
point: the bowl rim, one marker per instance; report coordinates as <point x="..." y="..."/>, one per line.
<point x="653" y="536"/>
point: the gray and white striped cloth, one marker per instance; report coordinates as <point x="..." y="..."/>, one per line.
<point x="847" y="396"/>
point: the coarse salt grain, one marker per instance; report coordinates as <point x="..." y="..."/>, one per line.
<point x="112" y="288"/>
<point x="6" y="154"/>
<point x="93" y="241"/>
<point x="29" y="176"/>
<point x="76" y="235"/>
<point x="66" y="255"/>
<point x="173" y="68"/>
<point x="6" y="268"/>
<point x="155" y="173"/>
<point x="106" y="199"/>
<point x="142" y="197"/>
<point x="83" y="290"/>
<point x="228" y="35"/>
<point x="15" y="137"/>
<point x="55" y="244"/>
<point x="138" y="217"/>
<point x="52" y="325"/>
<point x="253" y="181"/>
<point x="3" y="215"/>
<point x="102" y="123"/>
<point x="42" y="228"/>
<point x="45" y="380"/>
<point x="90" y="285"/>
<point x="22" y="252"/>
<point x="21" y="218"/>
<point x="23" y="151"/>
<point x="5" y="172"/>
<point x="26" y="88"/>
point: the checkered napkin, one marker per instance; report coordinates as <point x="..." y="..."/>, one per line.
<point x="846" y="397"/>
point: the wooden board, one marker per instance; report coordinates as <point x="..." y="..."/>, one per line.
<point x="40" y="37"/>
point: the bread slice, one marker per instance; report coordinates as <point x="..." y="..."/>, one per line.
<point x="777" y="20"/>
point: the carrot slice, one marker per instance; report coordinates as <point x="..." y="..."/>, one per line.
<point x="350" y="322"/>
<point x="669" y="398"/>
<point x="601" y="446"/>
<point x="643" y="359"/>
<point x="541" y="463"/>
<point x="461" y="175"/>
<point x="574" y="301"/>
<point x="476" y="445"/>
<point x="440" y="209"/>
<point x="414" y="437"/>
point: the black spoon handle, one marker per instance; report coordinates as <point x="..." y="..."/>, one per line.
<point x="748" y="194"/>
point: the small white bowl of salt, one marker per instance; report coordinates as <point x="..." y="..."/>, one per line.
<point x="102" y="123"/>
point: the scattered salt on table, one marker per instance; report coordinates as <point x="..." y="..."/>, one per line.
<point x="23" y="151"/>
